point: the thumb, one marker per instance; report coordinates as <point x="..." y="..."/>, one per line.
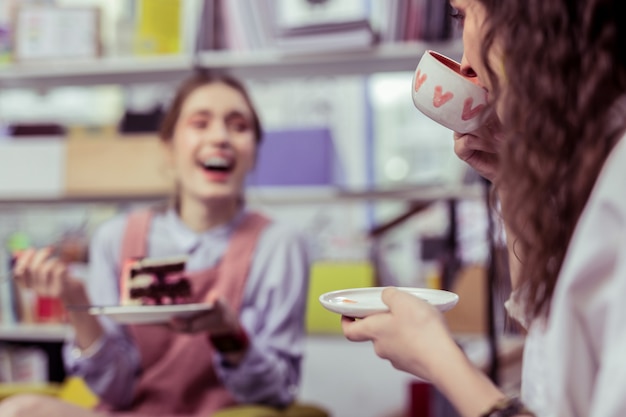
<point x="389" y="295"/>
<point x="212" y="297"/>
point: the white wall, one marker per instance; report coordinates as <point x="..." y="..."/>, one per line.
<point x="349" y="380"/>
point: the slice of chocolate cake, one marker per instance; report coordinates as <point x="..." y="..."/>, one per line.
<point x="156" y="282"/>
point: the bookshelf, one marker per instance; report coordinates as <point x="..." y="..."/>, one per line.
<point x="269" y="64"/>
<point x="253" y="65"/>
<point x="107" y="170"/>
<point x="36" y="332"/>
<point x="94" y="72"/>
<point x="283" y="195"/>
<point x="386" y="57"/>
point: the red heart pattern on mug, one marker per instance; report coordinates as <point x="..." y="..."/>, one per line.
<point x="419" y="80"/>
<point x="440" y="98"/>
<point x="468" y="111"/>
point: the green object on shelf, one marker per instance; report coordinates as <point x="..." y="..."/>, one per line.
<point x="18" y="241"/>
<point x="332" y="276"/>
<point x="9" y="305"/>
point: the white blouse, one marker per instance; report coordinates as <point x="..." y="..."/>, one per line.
<point x="575" y="364"/>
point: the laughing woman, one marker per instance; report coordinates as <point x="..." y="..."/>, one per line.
<point x="248" y="349"/>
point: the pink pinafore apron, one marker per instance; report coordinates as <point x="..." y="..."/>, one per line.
<point x="177" y="375"/>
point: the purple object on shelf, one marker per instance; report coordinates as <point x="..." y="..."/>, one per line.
<point x="296" y="157"/>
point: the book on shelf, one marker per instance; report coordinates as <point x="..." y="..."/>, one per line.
<point x="246" y="24"/>
<point x="316" y="26"/>
<point x="327" y="37"/>
<point x="297" y="157"/>
<point x="411" y="20"/>
<point x="294" y="14"/>
<point x="158" y="27"/>
<point x="209" y="27"/>
<point x="5" y="33"/>
<point x="55" y="32"/>
<point x="8" y="313"/>
<point x="319" y="26"/>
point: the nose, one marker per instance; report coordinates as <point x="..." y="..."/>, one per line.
<point x="217" y="134"/>
<point x="466" y="67"/>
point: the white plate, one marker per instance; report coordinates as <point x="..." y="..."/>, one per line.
<point x="149" y="314"/>
<point x="361" y="302"/>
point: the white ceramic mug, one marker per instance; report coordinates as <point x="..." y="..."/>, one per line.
<point x="445" y="95"/>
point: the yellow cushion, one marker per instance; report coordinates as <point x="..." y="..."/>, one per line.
<point x="331" y="276"/>
<point x="75" y="391"/>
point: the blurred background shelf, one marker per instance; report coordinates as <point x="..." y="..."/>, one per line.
<point x="43" y="332"/>
<point x="269" y="64"/>
<point x="131" y="70"/>
<point x="392" y="57"/>
<point x="279" y="196"/>
<point x="132" y="168"/>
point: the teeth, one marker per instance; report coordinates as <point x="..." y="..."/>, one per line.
<point x="216" y="162"/>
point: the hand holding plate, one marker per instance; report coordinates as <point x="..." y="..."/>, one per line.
<point x="219" y="319"/>
<point x="412" y="335"/>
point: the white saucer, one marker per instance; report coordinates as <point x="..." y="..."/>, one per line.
<point x="361" y="302"/>
<point x="149" y="314"/>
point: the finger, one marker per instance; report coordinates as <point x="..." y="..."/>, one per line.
<point x="347" y="321"/>
<point x="396" y="299"/>
<point x="389" y="294"/>
<point x="480" y="143"/>
<point x="22" y="259"/>
<point x="38" y="259"/>
<point x="43" y="277"/>
<point x="224" y="318"/>
<point x="219" y="304"/>
<point x="475" y="143"/>
<point x="212" y="297"/>
<point x="363" y="330"/>
<point x="59" y="279"/>
<point x="180" y="325"/>
<point x="20" y="270"/>
<point x="352" y="330"/>
<point x="485" y="163"/>
<point x="206" y="321"/>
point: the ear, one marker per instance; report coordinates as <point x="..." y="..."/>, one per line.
<point x="167" y="149"/>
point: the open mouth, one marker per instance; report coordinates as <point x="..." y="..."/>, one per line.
<point x="218" y="164"/>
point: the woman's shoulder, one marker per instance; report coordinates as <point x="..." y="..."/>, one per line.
<point x="281" y="229"/>
<point x="610" y="182"/>
<point x="111" y="230"/>
<point x="281" y="233"/>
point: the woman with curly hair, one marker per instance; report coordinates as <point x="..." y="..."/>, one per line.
<point x="556" y="75"/>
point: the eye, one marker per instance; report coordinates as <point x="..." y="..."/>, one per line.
<point x="239" y="125"/>
<point x="457" y="15"/>
<point x="199" y="123"/>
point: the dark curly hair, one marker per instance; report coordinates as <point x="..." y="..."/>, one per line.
<point x="565" y="67"/>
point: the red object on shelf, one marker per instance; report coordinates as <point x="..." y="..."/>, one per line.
<point x="49" y="310"/>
